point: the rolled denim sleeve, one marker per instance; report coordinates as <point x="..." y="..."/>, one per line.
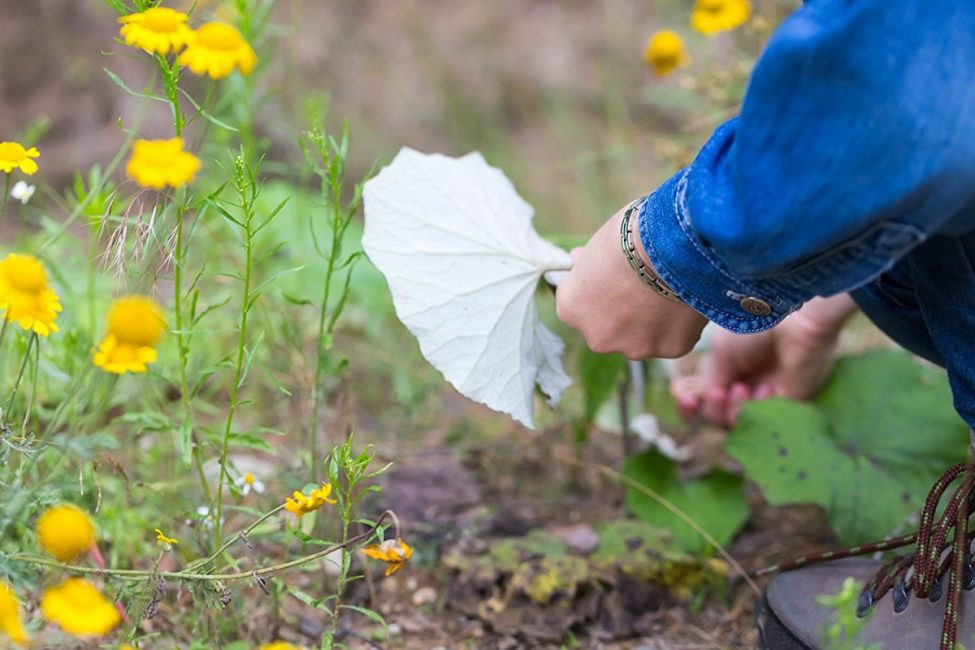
<point x="855" y="142"/>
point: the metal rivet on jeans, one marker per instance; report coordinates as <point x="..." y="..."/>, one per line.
<point x="755" y="306"/>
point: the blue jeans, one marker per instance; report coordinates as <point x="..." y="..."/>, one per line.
<point x="926" y="303"/>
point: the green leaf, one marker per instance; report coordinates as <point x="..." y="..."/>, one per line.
<point x="251" y="440"/>
<point x="867" y="449"/>
<point x="599" y="375"/>
<point x="715" y="502"/>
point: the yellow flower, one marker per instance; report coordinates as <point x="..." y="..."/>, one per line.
<point x="664" y="52"/>
<point x="14" y="156"/>
<point x="218" y="48"/>
<point x="162" y="540"/>
<point x="279" y="645"/>
<point x="10" y="615"/>
<point x="135" y="326"/>
<point x="300" y="504"/>
<point x="79" y="608"/>
<point x="713" y="16"/>
<point x="158" y="163"/>
<point x="26" y="296"/>
<point x="65" y="531"/>
<point x="393" y="552"/>
<point x="160" y="29"/>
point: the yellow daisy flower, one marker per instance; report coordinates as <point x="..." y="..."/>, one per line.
<point x="162" y="540"/>
<point x="664" y="52"/>
<point x="135" y="327"/>
<point x="299" y="503"/>
<point x="79" y="608"/>
<point x="280" y="645"/>
<point x="25" y="295"/>
<point x="158" y="163"/>
<point x="160" y="29"/>
<point x="713" y="16"/>
<point x="10" y="623"/>
<point x="394" y="552"/>
<point x="65" y="531"/>
<point x="217" y="49"/>
<point x="14" y="156"/>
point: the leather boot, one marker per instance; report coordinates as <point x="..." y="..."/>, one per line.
<point x="790" y="618"/>
<point x="918" y="600"/>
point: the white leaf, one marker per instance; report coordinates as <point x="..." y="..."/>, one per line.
<point x="457" y="247"/>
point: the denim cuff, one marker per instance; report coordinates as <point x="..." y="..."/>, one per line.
<point x="696" y="274"/>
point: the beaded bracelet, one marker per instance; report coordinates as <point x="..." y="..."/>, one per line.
<point x="629" y="249"/>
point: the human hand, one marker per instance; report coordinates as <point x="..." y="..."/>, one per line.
<point x="791" y="360"/>
<point x="615" y="311"/>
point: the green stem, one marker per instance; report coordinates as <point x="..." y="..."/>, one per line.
<point x="182" y="344"/>
<point x="3" y="333"/>
<point x="136" y="574"/>
<point x="316" y="394"/>
<point x="6" y="195"/>
<point x="230" y="542"/>
<point x="247" y="213"/>
<point x="20" y="375"/>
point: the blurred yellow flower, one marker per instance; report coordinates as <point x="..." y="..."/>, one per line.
<point x="664" y="52"/>
<point x="158" y="163"/>
<point x="65" y="531"/>
<point x="300" y="504"/>
<point x="713" y="16"/>
<point x="26" y="296"/>
<point x="14" y="156"/>
<point x="10" y="623"/>
<point x="162" y="540"/>
<point x="160" y="29"/>
<point x="280" y="645"/>
<point x="79" y="608"/>
<point x="394" y="552"/>
<point x="218" y="48"/>
<point x="135" y="327"/>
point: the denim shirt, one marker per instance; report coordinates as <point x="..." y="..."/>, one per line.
<point x="854" y="148"/>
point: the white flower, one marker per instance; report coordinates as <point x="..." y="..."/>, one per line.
<point x="22" y="191"/>
<point x="249" y="482"/>
<point x="203" y="512"/>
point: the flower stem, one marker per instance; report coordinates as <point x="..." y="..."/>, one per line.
<point x="137" y="574"/>
<point x="6" y="195"/>
<point x="182" y="344"/>
<point x="20" y="375"/>
<point x="247" y="194"/>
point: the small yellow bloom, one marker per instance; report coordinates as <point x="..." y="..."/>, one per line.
<point x="26" y="296"/>
<point x="216" y="50"/>
<point x="713" y="16"/>
<point x="395" y="553"/>
<point x="300" y="504"/>
<point x="162" y="540"/>
<point x="14" y="156"/>
<point x="135" y="327"/>
<point x="280" y="645"/>
<point x="10" y="623"/>
<point x="160" y="29"/>
<point x="79" y="608"/>
<point x="65" y="531"/>
<point x="664" y="52"/>
<point x="161" y="163"/>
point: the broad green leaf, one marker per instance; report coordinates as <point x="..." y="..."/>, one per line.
<point x="715" y="502"/>
<point x="599" y="375"/>
<point x="867" y="449"/>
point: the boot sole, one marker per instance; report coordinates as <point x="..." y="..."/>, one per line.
<point x="772" y="633"/>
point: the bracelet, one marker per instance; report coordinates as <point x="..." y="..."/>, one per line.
<point x="629" y="249"/>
